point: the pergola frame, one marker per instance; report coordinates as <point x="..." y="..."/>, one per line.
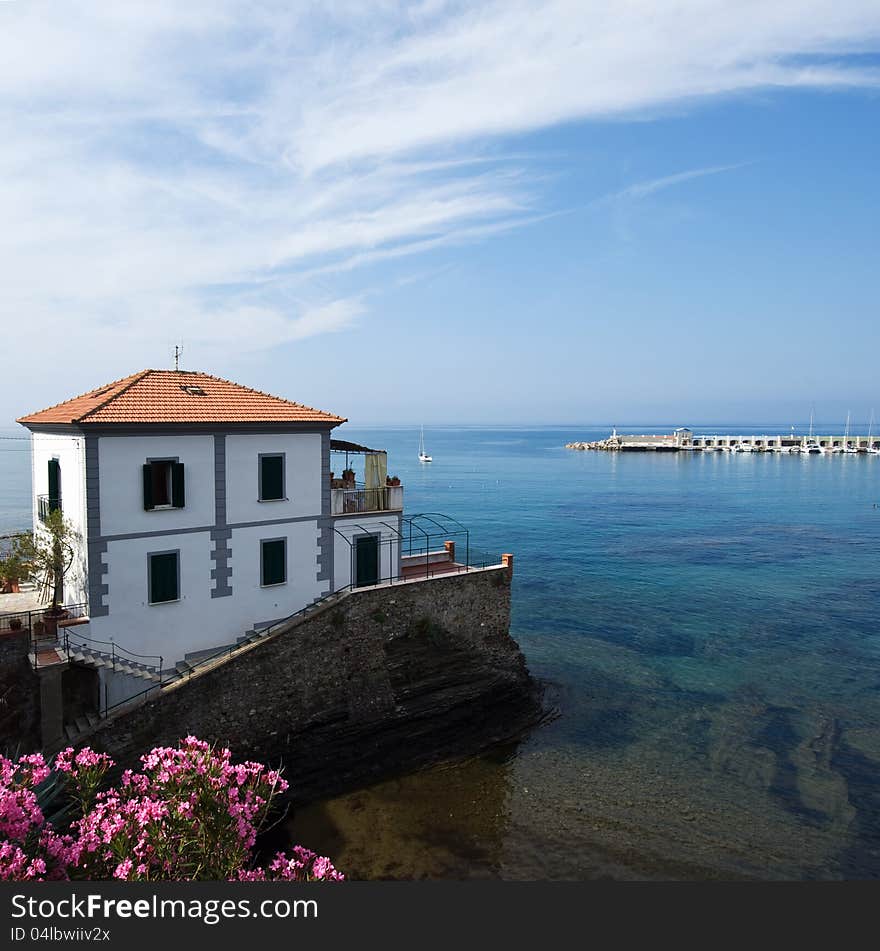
<point x="445" y="528"/>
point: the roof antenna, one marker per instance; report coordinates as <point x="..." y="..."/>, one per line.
<point x="177" y="353"/>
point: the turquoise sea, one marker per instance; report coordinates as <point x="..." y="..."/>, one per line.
<point x="708" y="627"/>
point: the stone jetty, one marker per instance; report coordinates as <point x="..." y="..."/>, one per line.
<point x="684" y="440"/>
<point x="656" y="442"/>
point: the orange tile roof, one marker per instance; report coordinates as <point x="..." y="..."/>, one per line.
<point x="161" y="396"/>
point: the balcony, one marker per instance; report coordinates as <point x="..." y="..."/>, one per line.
<point x="47" y="504"/>
<point x="351" y="499"/>
<point x="378" y="493"/>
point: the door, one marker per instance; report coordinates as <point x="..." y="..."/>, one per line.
<point x="366" y="560"/>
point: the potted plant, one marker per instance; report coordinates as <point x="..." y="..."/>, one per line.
<point x="16" y="565"/>
<point x="348" y="476"/>
<point x="11" y="580"/>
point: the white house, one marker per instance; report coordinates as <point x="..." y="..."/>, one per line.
<point x="205" y="509"/>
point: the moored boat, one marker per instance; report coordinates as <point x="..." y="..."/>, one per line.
<point x="423" y="456"/>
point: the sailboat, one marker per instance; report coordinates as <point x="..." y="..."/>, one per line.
<point x="872" y="451"/>
<point x="810" y="446"/>
<point x="423" y="456"/>
<point x="842" y="448"/>
<point x="847" y="448"/>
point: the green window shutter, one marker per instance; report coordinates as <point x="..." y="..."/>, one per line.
<point x="148" y="487"/>
<point x="54" y="485"/>
<point x="163" y="578"/>
<point x="274" y="562"/>
<point x="271" y="478"/>
<point x="178" y="495"/>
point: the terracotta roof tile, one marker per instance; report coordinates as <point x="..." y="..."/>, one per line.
<point x="178" y="396"/>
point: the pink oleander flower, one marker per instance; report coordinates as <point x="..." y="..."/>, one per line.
<point x="190" y="812"/>
<point x="35" y="767"/>
<point x="303" y="866"/>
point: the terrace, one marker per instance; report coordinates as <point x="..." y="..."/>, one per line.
<point x="377" y="493"/>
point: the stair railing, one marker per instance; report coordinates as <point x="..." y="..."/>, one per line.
<point x="117" y="653"/>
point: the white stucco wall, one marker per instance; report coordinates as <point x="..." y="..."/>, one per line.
<point x="120" y="463"/>
<point x="276" y="601"/>
<point x="168" y="629"/>
<point x="302" y="468"/>
<point x="348" y="528"/>
<point x="116" y="687"/>
<point x="70" y="453"/>
<point x="197" y="621"/>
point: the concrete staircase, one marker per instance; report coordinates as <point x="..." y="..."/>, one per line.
<point x="80" y="654"/>
<point x="255" y="634"/>
<point x="89" y="656"/>
<point x="81" y="726"/>
<point x="192" y="662"/>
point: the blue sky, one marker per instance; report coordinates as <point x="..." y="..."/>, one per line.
<point x="446" y="213"/>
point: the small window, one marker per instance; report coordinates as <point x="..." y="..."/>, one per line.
<point x="163" y="485"/>
<point x="164" y="570"/>
<point x="273" y="562"/>
<point x="271" y="478"/>
<point x="193" y="390"/>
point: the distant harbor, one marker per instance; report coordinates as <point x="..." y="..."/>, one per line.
<point x="684" y="440"/>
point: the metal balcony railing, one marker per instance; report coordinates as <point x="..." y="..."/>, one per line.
<point x="44" y="627"/>
<point x="47" y="504"/>
<point x="358" y="498"/>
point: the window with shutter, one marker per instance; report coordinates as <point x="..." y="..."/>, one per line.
<point x="273" y="562"/>
<point x="54" y="485"/>
<point x="164" y="484"/>
<point x="164" y="577"/>
<point x="271" y="477"/>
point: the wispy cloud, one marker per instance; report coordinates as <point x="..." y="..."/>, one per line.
<point x="207" y="168"/>
<point x="643" y="189"/>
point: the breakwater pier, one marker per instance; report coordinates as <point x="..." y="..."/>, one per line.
<point x="684" y="440"/>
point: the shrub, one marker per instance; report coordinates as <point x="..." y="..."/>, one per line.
<point x="16" y="564"/>
<point x="189" y="814"/>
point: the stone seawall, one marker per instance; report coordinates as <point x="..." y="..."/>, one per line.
<point x="386" y="679"/>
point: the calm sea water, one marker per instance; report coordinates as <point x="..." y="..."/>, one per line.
<point x="708" y="626"/>
<point x="15" y="480"/>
